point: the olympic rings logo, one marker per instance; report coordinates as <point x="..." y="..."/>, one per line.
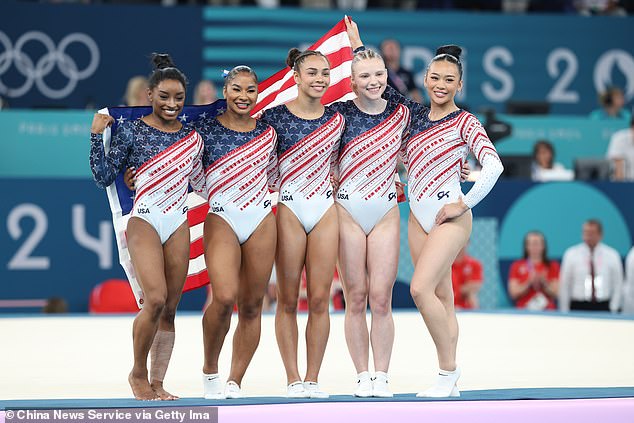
<point x="35" y="72"/>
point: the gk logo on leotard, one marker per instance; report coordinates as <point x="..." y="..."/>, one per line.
<point x="391" y="197"/>
<point x="328" y="193"/>
<point x="443" y="194"/>
<point x="267" y="204"/>
<point x="185" y="209"/>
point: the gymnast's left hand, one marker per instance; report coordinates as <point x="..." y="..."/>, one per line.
<point x="451" y="211"/>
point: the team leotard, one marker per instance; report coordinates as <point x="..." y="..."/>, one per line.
<point x="435" y="153"/>
<point x="307" y="153"/>
<point x="165" y="162"/>
<point x="238" y="166"/>
<point x="370" y="146"/>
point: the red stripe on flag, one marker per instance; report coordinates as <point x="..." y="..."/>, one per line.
<point x="196" y="248"/>
<point x="197" y="280"/>
<point x="196" y="215"/>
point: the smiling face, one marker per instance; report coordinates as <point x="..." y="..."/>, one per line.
<point x="369" y="78"/>
<point x="241" y="93"/>
<point x="442" y="82"/>
<point x="167" y="99"/>
<point x="313" y="76"/>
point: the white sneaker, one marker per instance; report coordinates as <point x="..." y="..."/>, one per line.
<point x="313" y="390"/>
<point x="364" y="385"/>
<point x="232" y="390"/>
<point x="296" y="390"/>
<point x="379" y="386"/>
<point x="446" y="385"/>
<point x="212" y="387"/>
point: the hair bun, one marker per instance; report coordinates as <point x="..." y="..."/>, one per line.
<point x="292" y="56"/>
<point x="450" y="49"/>
<point x="162" y="61"/>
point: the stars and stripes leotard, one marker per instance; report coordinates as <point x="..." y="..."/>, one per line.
<point x="435" y="153"/>
<point x="166" y="163"/>
<point x="238" y="167"/>
<point x="368" y="156"/>
<point x="307" y="153"/>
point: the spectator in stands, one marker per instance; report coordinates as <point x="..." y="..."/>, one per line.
<point x="55" y="305"/>
<point x="534" y="280"/>
<point x="136" y="93"/>
<point x="205" y="92"/>
<point x="544" y="167"/>
<point x="621" y="153"/>
<point x="398" y="77"/>
<point x="628" y="289"/>
<point x="466" y="278"/>
<point x="591" y="273"/>
<point x="612" y="102"/>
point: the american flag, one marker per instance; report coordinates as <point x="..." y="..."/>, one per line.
<point x="279" y="88"/>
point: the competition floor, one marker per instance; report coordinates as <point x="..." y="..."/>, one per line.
<point x="515" y="367"/>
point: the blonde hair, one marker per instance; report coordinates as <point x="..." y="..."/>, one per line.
<point x="365" y="55"/>
<point x="136" y="84"/>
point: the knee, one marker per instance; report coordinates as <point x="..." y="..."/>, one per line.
<point x="318" y="304"/>
<point x="380" y="304"/>
<point x="356" y="302"/>
<point x="154" y="304"/>
<point x="223" y="305"/>
<point x="169" y="314"/>
<point x="250" y="311"/>
<point x="419" y="293"/>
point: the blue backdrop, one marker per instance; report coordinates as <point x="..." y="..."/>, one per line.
<point x="563" y="59"/>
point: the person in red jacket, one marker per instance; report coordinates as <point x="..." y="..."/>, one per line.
<point x="534" y="280"/>
<point x="466" y="278"/>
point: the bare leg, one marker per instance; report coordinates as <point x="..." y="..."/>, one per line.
<point x="222" y="256"/>
<point x="176" y="257"/>
<point x="383" y="251"/>
<point x="353" y="274"/>
<point x="434" y="262"/>
<point x="289" y="262"/>
<point x="258" y="254"/>
<point x="321" y="257"/>
<point x="146" y="253"/>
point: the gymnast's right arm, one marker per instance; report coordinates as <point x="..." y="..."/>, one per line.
<point x="106" y="167"/>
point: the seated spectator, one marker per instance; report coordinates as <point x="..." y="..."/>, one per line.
<point x="621" y="153"/>
<point x="466" y="279"/>
<point x="136" y="93"/>
<point x="534" y="280"/>
<point x="612" y="102"/>
<point x="544" y="167"/>
<point x="205" y="92"/>
<point x="591" y="274"/>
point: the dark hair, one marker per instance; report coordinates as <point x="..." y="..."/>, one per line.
<point x="595" y="222"/>
<point x="164" y="68"/>
<point x="606" y="98"/>
<point x="547" y="145"/>
<point x="231" y="75"/>
<point x="449" y="53"/>
<point x="296" y="57"/>
<point x="545" y="259"/>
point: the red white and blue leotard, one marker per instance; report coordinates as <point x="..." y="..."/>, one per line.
<point x="238" y="166"/>
<point x="307" y="153"/>
<point x="370" y="147"/>
<point x="166" y="163"/>
<point x="434" y="156"/>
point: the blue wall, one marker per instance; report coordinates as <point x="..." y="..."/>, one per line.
<point x="564" y="59"/>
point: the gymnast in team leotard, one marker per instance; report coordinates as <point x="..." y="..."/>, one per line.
<point x="239" y="232"/>
<point x="167" y="157"/>
<point x="440" y="218"/>
<point x="368" y="215"/>
<point x="308" y="141"/>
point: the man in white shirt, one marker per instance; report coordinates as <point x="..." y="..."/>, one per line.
<point x="621" y="153"/>
<point x="591" y="275"/>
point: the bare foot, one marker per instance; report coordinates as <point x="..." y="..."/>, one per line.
<point x="161" y="392"/>
<point x="141" y="389"/>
